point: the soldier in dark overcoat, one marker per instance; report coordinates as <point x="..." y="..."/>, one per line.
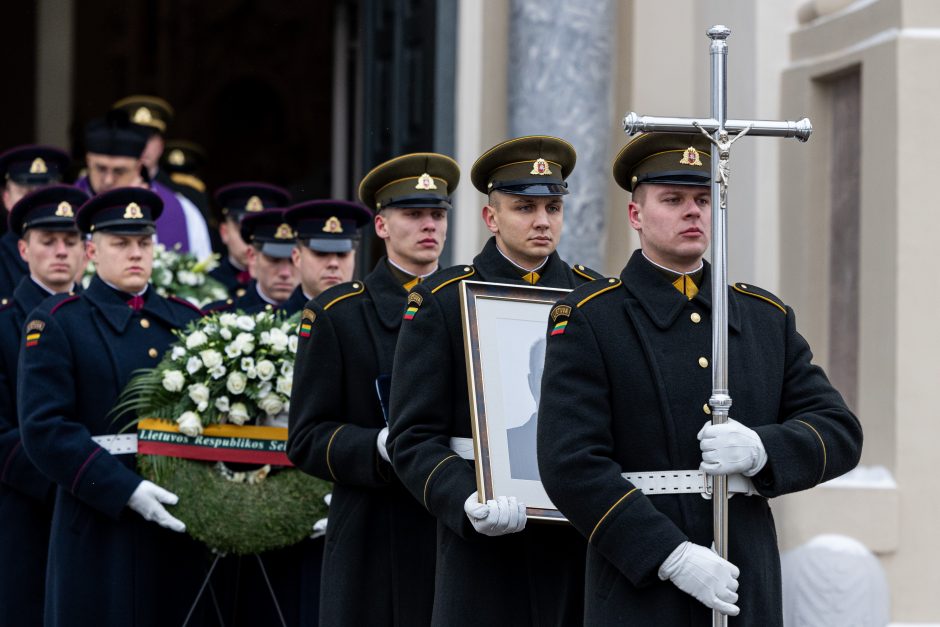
<point x="378" y="566"/>
<point x="116" y="555"/>
<point x="487" y="574"/>
<point x="45" y="223"/>
<point x="626" y="389"/>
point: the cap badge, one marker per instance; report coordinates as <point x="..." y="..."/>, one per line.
<point x="333" y="225"/>
<point x="143" y="116"/>
<point x="38" y="166"/>
<point x="254" y="205"/>
<point x="64" y="210"/>
<point x="690" y="157"/>
<point x="176" y="157"/>
<point x="133" y="212"/>
<point x="540" y="167"/>
<point x="284" y="232"/>
<point x="425" y="182"/>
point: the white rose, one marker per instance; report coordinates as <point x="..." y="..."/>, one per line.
<point x="211" y="358"/>
<point x="228" y="320"/>
<point x="173" y="380"/>
<point x="236" y="382"/>
<point x="197" y="339"/>
<point x="225" y="333"/>
<point x="266" y="369"/>
<point x="238" y="414"/>
<point x="190" y="423"/>
<point x="199" y="394"/>
<point x="292" y="343"/>
<point x="278" y="340"/>
<point x="284" y="385"/>
<point x="177" y="353"/>
<point x="271" y="405"/>
<point x="193" y="365"/>
<point x="218" y="372"/>
<point x="222" y="404"/>
<point x="245" y="323"/>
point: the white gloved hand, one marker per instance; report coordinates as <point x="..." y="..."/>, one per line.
<point x="148" y="501"/>
<point x="319" y="529"/>
<point x="380" y="444"/>
<point x="731" y="448"/>
<point x="496" y="517"/>
<point x="703" y="574"/>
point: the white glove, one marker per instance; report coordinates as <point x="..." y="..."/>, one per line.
<point x="703" y="574"/>
<point x="319" y="529"/>
<point x="731" y="448"/>
<point x="496" y="517"/>
<point x="148" y="500"/>
<point x="380" y="444"/>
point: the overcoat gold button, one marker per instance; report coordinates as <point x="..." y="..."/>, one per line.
<point x="145" y="323"/>
<point x="703" y="362"/>
<point x="706" y="409"/>
<point x="153" y="353"/>
<point x="696" y="318"/>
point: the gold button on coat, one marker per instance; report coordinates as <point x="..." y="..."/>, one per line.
<point x="706" y="409"/>
<point x="696" y="318"/>
<point x="703" y="362"/>
<point x="153" y="353"/>
<point x="145" y="323"/>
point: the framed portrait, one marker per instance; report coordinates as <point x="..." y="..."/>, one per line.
<point x="504" y="339"/>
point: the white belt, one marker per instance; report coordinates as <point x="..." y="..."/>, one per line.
<point x="122" y="444"/>
<point x="652" y="483"/>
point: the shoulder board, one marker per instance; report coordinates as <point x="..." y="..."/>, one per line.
<point x="586" y="273"/>
<point x="185" y="303"/>
<point x="188" y="180"/>
<point x="592" y="290"/>
<point x="764" y="295"/>
<point x="222" y="305"/>
<point x="448" y="276"/>
<point x="64" y="301"/>
<point x="341" y="292"/>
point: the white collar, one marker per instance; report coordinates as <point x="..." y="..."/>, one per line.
<point x="535" y="269"/>
<point x="409" y="272"/>
<point x="701" y="264"/>
<point x="115" y="287"/>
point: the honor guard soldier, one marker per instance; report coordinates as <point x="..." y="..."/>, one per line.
<point x="625" y="408"/>
<point x="378" y="566"/>
<point x="235" y="202"/>
<point x="114" y="145"/>
<point x="327" y="234"/>
<point x="532" y="574"/>
<point x="22" y="170"/>
<point x="113" y="546"/>
<point x="52" y="246"/>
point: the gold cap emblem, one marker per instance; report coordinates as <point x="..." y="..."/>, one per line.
<point x="176" y="157"/>
<point x="64" y="210"/>
<point x="284" y="232"/>
<point x="333" y="225"/>
<point x="254" y="205"/>
<point x="690" y="157"/>
<point x="540" y="167"/>
<point x="38" y="166"/>
<point x="133" y="212"/>
<point x="143" y="116"/>
<point x="425" y="182"/>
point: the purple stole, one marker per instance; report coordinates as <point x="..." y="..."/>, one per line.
<point x="171" y="225"/>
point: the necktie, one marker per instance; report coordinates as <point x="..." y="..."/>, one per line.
<point x="410" y="284"/>
<point x="243" y="277"/>
<point x="686" y="285"/>
<point x="532" y="277"/>
<point x="136" y="302"/>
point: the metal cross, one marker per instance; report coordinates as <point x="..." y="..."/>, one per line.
<point x="722" y="133"/>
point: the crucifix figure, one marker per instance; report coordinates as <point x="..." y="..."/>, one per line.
<point x="723" y="144"/>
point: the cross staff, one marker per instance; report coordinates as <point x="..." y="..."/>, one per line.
<point x="722" y="133"/>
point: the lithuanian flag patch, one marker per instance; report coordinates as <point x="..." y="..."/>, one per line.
<point x="414" y="302"/>
<point x="33" y="331"/>
<point x="306" y="323"/>
<point x="559" y="316"/>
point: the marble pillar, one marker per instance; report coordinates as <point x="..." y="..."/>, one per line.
<point x="560" y="83"/>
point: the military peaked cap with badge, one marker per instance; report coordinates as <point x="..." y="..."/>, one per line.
<point x="183" y="160"/>
<point x="150" y="111"/>
<point x="665" y="159"/>
<point x="535" y="165"/>
<point x="33" y="165"/>
<point x="268" y="232"/>
<point x="238" y="199"/>
<point x="50" y="208"/>
<point x="327" y="226"/>
<point x="116" y="135"/>
<point x="420" y="179"/>
<point x="122" y="211"/>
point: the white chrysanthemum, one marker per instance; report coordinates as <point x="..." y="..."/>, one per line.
<point x="173" y="380"/>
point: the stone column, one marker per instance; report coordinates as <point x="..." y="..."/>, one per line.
<point x="560" y="83"/>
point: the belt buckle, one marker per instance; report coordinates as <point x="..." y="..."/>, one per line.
<point x="707" y="486"/>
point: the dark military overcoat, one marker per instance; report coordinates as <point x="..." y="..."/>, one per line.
<point x="25" y="493"/>
<point x="12" y="266"/>
<point x="534" y="577"/>
<point x="378" y="566"/>
<point x="108" y="565"/>
<point x="625" y="389"/>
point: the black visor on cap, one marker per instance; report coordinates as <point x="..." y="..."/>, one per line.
<point x="418" y="201"/>
<point x="675" y="177"/>
<point x="530" y="189"/>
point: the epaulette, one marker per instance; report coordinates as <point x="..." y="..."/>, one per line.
<point x="188" y="180"/>
<point x="587" y="273"/>
<point x="594" y="289"/>
<point x="183" y="301"/>
<point x="64" y="301"/>
<point x="764" y="295"/>
<point x="448" y="276"/>
<point x="341" y="292"/>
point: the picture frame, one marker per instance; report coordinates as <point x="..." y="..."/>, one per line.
<point x="504" y="328"/>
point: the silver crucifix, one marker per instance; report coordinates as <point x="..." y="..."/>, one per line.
<point x="722" y="133"/>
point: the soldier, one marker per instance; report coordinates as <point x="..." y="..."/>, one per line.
<point x="53" y="249"/>
<point x="117" y="553"/>
<point x="327" y="234"/>
<point x="22" y="170"/>
<point x="626" y="388"/>
<point x="532" y="575"/>
<point x="114" y="145"/>
<point x="378" y="567"/>
<point x="236" y="201"/>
